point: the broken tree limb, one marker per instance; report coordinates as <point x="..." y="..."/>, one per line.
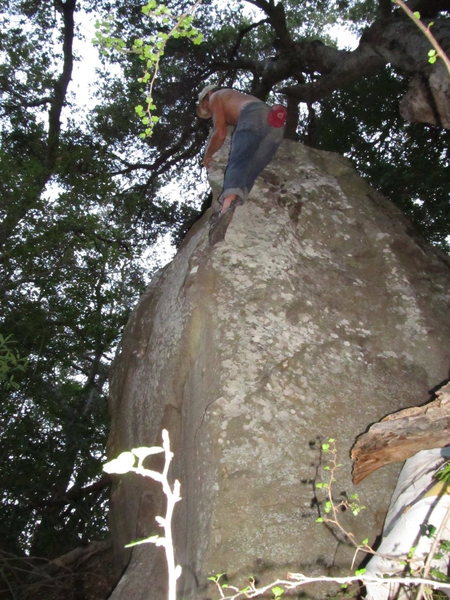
<point x="400" y="435"/>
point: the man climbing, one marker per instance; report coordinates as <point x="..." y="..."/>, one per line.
<point x="258" y="133"/>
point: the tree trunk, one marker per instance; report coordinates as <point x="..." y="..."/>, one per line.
<point x="320" y="313"/>
<point x="19" y="204"/>
<point x="394" y="40"/>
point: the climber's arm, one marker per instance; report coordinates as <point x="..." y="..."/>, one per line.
<point x="220" y="129"/>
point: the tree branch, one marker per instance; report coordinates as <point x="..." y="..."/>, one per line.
<point x="60" y="88"/>
<point x="76" y="493"/>
<point x="241" y="35"/>
<point x="277" y="18"/>
<point x="429" y="9"/>
<point x="400" y="435"/>
<point x="339" y="68"/>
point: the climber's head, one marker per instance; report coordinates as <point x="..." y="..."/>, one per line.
<point x="203" y="110"/>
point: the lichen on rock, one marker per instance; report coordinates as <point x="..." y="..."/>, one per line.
<point x="316" y="316"/>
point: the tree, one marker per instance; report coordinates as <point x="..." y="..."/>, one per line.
<point x="401" y="159"/>
<point x="284" y="52"/>
<point x="70" y="272"/>
<point x="83" y="198"/>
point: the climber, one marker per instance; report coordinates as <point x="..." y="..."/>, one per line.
<point x="258" y="133"/>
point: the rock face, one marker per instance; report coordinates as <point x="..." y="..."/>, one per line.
<point x="320" y="313"/>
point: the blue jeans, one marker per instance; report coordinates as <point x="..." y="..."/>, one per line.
<point x="253" y="145"/>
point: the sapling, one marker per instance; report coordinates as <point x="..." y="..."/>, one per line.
<point x="125" y="463"/>
<point x="167" y="25"/>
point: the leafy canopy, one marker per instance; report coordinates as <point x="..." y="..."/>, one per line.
<point x="85" y="201"/>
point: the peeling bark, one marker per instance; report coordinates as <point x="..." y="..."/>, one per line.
<point x="400" y="435"/>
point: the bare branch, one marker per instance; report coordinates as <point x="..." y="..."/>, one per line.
<point x="241" y="35"/>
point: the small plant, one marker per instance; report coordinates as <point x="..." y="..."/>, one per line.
<point x="443" y="474"/>
<point x="437" y="51"/>
<point x="166" y="26"/>
<point x="223" y="587"/>
<point x="331" y="508"/>
<point x="440" y="547"/>
<point x="277" y="592"/>
<point x="126" y="462"/>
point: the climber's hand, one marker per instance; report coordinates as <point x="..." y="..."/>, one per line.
<point x="206" y="162"/>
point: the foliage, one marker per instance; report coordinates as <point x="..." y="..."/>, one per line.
<point x="11" y="363"/>
<point x="83" y="205"/>
<point x="437" y="51"/>
<point x="70" y="272"/>
<point x="405" y="161"/>
<point x="427" y="578"/>
<point x="169" y="27"/>
<point x="444" y="473"/>
<point x="126" y="462"/>
<point x="234" y="52"/>
<point x="332" y="508"/>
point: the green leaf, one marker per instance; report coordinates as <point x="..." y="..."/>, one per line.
<point x="149" y="7"/>
<point x="429" y="530"/>
<point x="153" y="539"/>
<point x="443" y="474"/>
<point x="216" y="578"/>
<point x="439" y="575"/>
<point x="416" y="14"/>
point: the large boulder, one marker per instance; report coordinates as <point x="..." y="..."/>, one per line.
<point x="321" y="312"/>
